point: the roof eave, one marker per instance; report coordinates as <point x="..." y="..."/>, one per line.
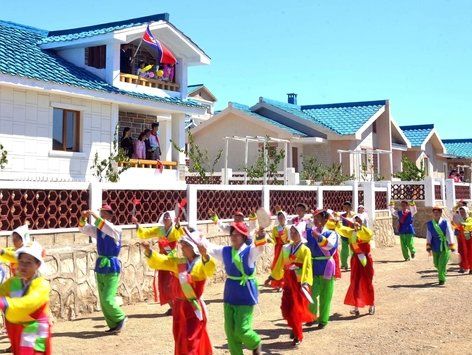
<point x="369" y="122"/>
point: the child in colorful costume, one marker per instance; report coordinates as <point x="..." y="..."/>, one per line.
<point x="323" y="244"/>
<point x="295" y="269"/>
<point x="462" y="224"/>
<point x="241" y="293"/>
<point x="279" y="237"/>
<point x="346" y="218"/>
<point x="107" y="266"/>
<point x="439" y="242"/>
<point x="190" y="274"/>
<point x="25" y="300"/>
<point x="361" y="289"/>
<point x="168" y="234"/>
<point x="20" y="237"/>
<point x="238" y="216"/>
<point x="405" y="227"/>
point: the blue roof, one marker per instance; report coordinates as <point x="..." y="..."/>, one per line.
<point x="100" y="29"/>
<point x="21" y="56"/>
<point x="341" y="118"/>
<point x="247" y="110"/>
<point x="461" y="148"/>
<point x="417" y="134"/>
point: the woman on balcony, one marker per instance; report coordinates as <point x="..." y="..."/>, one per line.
<point x="127" y="142"/>
<point x="139" y="149"/>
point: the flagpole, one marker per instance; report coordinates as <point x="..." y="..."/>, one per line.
<point x="137" y="49"/>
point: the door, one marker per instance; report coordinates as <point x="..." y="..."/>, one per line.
<point x="295" y="158"/>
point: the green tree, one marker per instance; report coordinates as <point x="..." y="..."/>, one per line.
<point x="266" y="164"/>
<point x="199" y="159"/>
<point x="326" y="174"/>
<point x="3" y="157"/>
<point x="110" y="168"/>
<point x="410" y="172"/>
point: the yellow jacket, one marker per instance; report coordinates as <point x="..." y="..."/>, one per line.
<point x="19" y="308"/>
<point x="200" y="271"/>
<point x="302" y="256"/>
<point x="274" y="236"/>
<point x="160" y="232"/>
<point x="8" y="256"/>
<point x="363" y="235"/>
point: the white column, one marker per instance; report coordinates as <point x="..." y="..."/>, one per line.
<point x="369" y="200"/>
<point x="165" y="135"/>
<point x="112" y="69"/>
<point x="450" y="194"/>
<point x="178" y="137"/>
<point x="285" y="164"/>
<point x="246" y="157"/>
<point x="95" y="195"/>
<point x="226" y="177"/>
<point x="265" y="163"/>
<point x="429" y="195"/>
<point x="192" y="205"/>
<point x="266" y="197"/>
<point x="319" y="197"/>
<point x="181" y="77"/>
<point x="355" y="194"/>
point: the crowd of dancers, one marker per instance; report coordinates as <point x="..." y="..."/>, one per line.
<point x="310" y="249"/>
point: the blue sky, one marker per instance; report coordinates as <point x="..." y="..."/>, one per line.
<point x="417" y="53"/>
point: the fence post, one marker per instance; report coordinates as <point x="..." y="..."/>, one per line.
<point x="443" y="192"/>
<point x="450" y="194"/>
<point x="369" y="200"/>
<point x="95" y="195"/>
<point x="192" y="205"/>
<point x="355" y="194"/>
<point x="226" y="175"/>
<point x="388" y="184"/>
<point x="319" y="198"/>
<point x="266" y="197"/>
<point x="429" y="192"/>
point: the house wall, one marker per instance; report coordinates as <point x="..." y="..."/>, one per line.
<point x="26" y="118"/>
<point x="397" y="160"/>
<point x="138" y="122"/>
<point x="322" y="152"/>
<point x="384" y="142"/>
<point x="77" y="56"/>
<point x="435" y="163"/>
<point x="212" y="139"/>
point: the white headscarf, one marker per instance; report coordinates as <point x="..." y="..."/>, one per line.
<point x="171" y="214"/>
<point x="301" y="229"/>
<point x="23" y="232"/>
<point x="34" y="249"/>
<point x="192" y="239"/>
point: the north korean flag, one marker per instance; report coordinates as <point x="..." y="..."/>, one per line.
<point x="163" y="55"/>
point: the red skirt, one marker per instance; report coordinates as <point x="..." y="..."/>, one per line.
<point x="166" y="284"/>
<point x="465" y="251"/>
<point x="190" y="333"/>
<point x="277" y="252"/>
<point x="14" y="332"/>
<point x="295" y="305"/>
<point x="361" y="289"/>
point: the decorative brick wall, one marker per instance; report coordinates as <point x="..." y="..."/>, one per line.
<point x="224" y="203"/>
<point x="335" y="199"/>
<point x="380" y="200"/>
<point x="44" y="209"/>
<point x="288" y="200"/>
<point x="138" y="122"/>
<point x="462" y="192"/>
<point x="407" y="192"/>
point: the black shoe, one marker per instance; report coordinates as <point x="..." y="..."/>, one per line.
<point x="407" y="259"/>
<point x="321" y="326"/>
<point x="169" y="312"/>
<point x="258" y="350"/>
<point x="310" y="324"/>
<point x="441" y="283"/>
<point x="355" y="312"/>
<point x="120" y="326"/>
<point x="292" y="335"/>
<point x="470" y="272"/>
<point x="111" y="330"/>
<point x="412" y="255"/>
<point x="461" y="271"/>
<point x="372" y="310"/>
<point x="295" y="342"/>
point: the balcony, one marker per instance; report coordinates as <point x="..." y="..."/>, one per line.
<point x="152" y="83"/>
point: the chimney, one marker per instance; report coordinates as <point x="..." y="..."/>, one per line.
<point x="292" y="98"/>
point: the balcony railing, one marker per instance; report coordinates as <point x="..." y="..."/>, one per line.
<point x="152" y="83"/>
<point x="141" y="163"/>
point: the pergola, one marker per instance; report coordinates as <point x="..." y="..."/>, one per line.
<point x="373" y="152"/>
<point x="256" y="139"/>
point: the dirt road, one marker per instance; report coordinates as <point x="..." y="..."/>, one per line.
<point x="414" y="314"/>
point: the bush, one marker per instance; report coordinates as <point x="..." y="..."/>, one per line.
<point x="328" y="175"/>
<point x="410" y="172"/>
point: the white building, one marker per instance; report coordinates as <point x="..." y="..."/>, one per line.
<point x="62" y="93"/>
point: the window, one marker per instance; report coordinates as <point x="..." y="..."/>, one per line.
<point x="96" y="56"/>
<point x="65" y="130"/>
<point x="374" y="127"/>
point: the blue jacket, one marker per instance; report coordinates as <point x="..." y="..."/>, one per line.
<point x="108" y="250"/>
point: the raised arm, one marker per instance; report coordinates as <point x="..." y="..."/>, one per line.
<point x="413" y="209"/>
<point x="85" y="227"/>
<point x="393" y="211"/>
<point x="150" y="232"/>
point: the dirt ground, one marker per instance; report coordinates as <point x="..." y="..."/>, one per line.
<point x="414" y="315"/>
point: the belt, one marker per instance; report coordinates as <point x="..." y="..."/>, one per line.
<point x="322" y="257"/>
<point x="242" y="279"/>
<point x="105" y="261"/>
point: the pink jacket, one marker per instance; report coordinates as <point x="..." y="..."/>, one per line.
<point x="139" y="149"/>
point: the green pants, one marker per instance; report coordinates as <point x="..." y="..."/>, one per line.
<point x="440" y="263"/>
<point x="238" y="328"/>
<point x="322" y="292"/>
<point x="107" y="287"/>
<point x="408" y="245"/>
<point x="345" y="250"/>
